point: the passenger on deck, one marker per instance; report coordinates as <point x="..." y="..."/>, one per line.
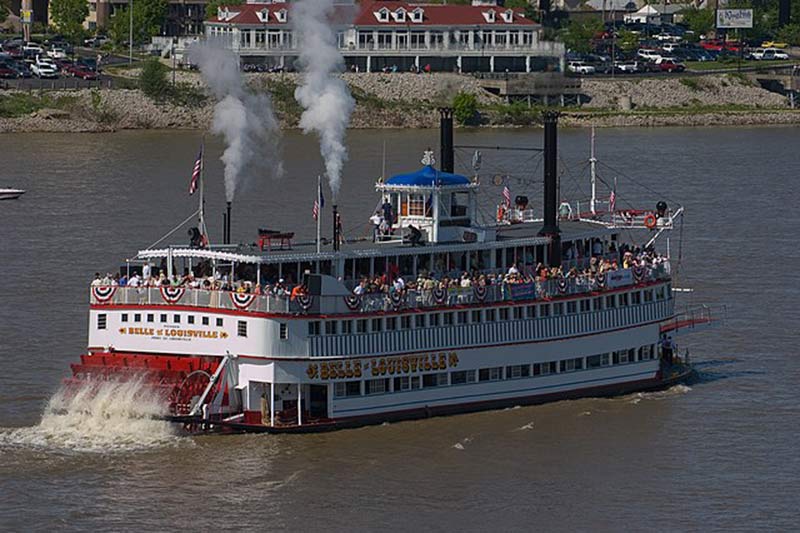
<point x="415" y="238"/>
<point x="376" y="220"/>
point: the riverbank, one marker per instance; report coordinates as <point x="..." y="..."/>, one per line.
<point x="410" y="101"/>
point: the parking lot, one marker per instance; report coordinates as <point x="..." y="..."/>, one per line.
<point x="61" y="82"/>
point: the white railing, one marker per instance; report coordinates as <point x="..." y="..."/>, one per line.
<point x="376" y="302"/>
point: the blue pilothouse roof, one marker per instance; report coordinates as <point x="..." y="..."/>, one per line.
<point x="428" y="176"/>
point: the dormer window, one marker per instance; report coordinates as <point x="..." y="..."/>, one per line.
<point x="416" y="15"/>
<point x="220" y="13"/>
<point x="508" y="15"/>
<point x="489" y="16"/>
<point x="263" y="15"/>
<point x="399" y="15"/>
<point x="382" y="14"/>
<point x="280" y="15"/>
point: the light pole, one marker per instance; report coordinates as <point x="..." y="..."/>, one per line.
<point x="130" y="32"/>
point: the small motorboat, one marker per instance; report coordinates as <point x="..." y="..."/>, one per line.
<point x="10" y="194"/>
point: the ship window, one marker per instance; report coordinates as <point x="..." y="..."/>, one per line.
<point x="660" y="293"/>
<point x="623" y="299"/>
<point x="490" y="374"/>
<point x="405" y="322"/>
<point x="620" y="357"/>
<point x="518" y="312"/>
<point x="463" y="317"/>
<point x="585" y="305"/>
<point x="344" y="389"/>
<point x="531" y="311"/>
<point x="205" y="320"/>
<point x="376" y="386"/>
<point x="594" y="361"/>
<point x="448" y="319"/>
<point x="151" y="317"/>
<point x="419" y="321"/>
<point x="518" y="371"/>
<point x="438" y="379"/>
<point x="572" y="307"/>
<point x="102" y="321"/>
<point x="241" y="328"/>
<point x="361" y="325"/>
<point x="406" y="383"/>
<point x="416" y="205"/>
<point x="598" y="303"/>
<point x="611" y="302"/>
<point x="163" y="317"/>
<point x="330" y="327"/>
<point x="543" y="369"/>
<point x="137" y="317"/>
<point x="558" y="309"/>
<point x="462" y="376"/>
<point x="176" y="319"/>
<point x="190" y="319"/>
<point x="504" y="313"/>
<point x="219" y="322"/>
<point x="376" y="324"/>
<point x="648" y="295"/>
<point x="490" y="315"/>
<point x="283" y="331"/>
<point x="544" y="310"/>
<point x="313" y="328"/>
<point x="570" y="365"/>
<point x="391" y="323"/>
<point x="124" y="317"/>
<point x="636" y="297"/>
<point x="347" y="327"/>
<point x="434" y="319"/>
<point x="632" y="355"/>
<point x="476" y="316"/>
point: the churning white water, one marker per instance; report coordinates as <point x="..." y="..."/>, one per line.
<point x="98" y="417"/>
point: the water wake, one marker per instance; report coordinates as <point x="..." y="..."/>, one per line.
<point x="676" y="390"/>
<point x="98" y="417"/>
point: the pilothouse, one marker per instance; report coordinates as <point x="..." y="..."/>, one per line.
<point x="437" y="312"/>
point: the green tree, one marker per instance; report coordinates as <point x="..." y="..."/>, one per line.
<point x="3" y="10"/>
<point x="68" y="17"/>
<point x="465" y="107"/>
<point x="790" y="34"/>
<point x="700" y="21"/>
<point x="213" y="5"/>
<point x="579" y="34"/>
<point x="627" y="40"/>
<point x="148" y="16"/>
<point x="153" y="80"/>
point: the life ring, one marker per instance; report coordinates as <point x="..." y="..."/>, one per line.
<point x="650" y="221"/>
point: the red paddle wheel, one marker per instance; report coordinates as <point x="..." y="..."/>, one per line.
<point x="178" y="380"/>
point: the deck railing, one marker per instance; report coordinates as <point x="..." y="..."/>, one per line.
<point x="366" y="303"/>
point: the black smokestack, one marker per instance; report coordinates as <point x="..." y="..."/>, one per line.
<point x="550" y="228"/>
<point x="784" y="12"/>
<point x="228" y="225"/>
<point x="335" y="229"/>
<point x="447" y="163"/>
<point x="224" y="226"/>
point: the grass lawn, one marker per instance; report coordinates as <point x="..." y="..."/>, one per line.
<point x="733" y="65"/>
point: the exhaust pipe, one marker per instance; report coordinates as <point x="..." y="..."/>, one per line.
<point x="447" y="163"/>
<point x="228" y="225"/>
<point x="550" y="228"/>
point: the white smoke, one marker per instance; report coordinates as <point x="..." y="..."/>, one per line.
<point x="323" y="94"/>
<point x="245" y="120"/>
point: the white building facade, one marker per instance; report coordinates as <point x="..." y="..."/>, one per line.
<point x="398" y="35"/>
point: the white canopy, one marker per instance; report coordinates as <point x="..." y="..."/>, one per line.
<point x="199" y="253"/>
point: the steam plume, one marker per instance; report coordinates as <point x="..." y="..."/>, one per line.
<point x="245" y="120"/>
<point x="324" y="96"/>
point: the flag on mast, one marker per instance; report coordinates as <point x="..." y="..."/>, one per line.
<point x="198" y="167"/>
<point x="507" y="196"/>
<point x="612" y="201"/>
<point x="319" y="202"/>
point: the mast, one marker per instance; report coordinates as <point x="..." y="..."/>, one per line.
<point x="593" y="165"/>
<point x="202" y="199"/>
<point x="319" y="210"/>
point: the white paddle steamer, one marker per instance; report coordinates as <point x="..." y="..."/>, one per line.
<point x="330" y="357"/>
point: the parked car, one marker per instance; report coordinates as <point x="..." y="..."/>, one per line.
<point x="579" y="67"/>
<point x="87" y="62"/>
<point x="773" y="44"/>
<point x="44" y="67"/>
<point x="670" y="64"/>
<point x="79" y="71"/>
<point x="626" y="67"/>
<point x="767" y="54"/>
<point x="670" y="47"/>
<point x="32" y="50"/>
<point x="648" y="54"/>
<point x="96" y="42"/>
<point x="22" y="68"/>
<point x="56" y="53"/>
<point x="7" y="72"/>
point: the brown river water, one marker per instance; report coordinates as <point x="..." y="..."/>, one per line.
<point x="719" y="454"/>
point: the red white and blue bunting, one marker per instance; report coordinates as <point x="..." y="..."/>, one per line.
<point x="561" y="283"/>
<point x="398" y="299"/>
<point x="172" y="295"/>
<point x="480" y="292"/>
<point x="305" y="301"/>
<point x="638" y="273"/>
<point x="353" y="302"/>
<point x="601" y="280"/>
<point x="103" y="293"/>
<point x="440" y="295"/>
<point x="242" y="300"/>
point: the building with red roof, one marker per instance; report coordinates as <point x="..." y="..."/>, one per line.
<point x="379" y="35"/>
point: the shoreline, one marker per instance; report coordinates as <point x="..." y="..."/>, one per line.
<point x="393" y="101"/>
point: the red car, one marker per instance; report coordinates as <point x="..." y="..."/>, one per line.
<point x="716" y="45"/>
<point x="79" y="71"/>
<point x="668" y="65"/>
<point x="7" y="72"/>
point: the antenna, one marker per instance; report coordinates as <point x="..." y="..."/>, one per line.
<point x="383" y="166"/>
<point x="593" y="164"/>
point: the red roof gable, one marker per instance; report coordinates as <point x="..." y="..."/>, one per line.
<point x="364" y="14"/>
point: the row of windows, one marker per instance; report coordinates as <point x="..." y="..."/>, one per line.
<point x="476" y="316"/>
<point x="164" y="318"/>
<point x="344" y="389"/>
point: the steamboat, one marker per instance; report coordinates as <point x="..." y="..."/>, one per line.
<point x="440" y="313"/>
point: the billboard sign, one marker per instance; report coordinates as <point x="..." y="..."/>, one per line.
<point x="734" y="18"/>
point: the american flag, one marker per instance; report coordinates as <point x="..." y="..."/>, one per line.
<point x="612" y="201"/>
<point x="507" y="196"/>
<point x="198" y="167"/>
<point x="319" y="202"/>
